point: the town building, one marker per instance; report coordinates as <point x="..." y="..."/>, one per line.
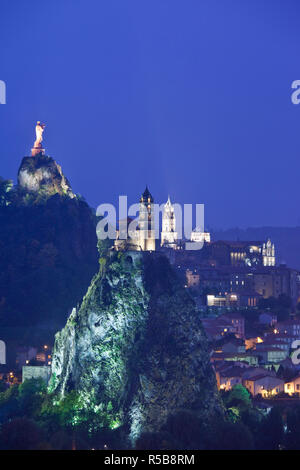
<point x="198" y="236"/>
<point x="270" y="354"/>
<point x="290" y="327"/>
<point x="234" y="345"/>
<point x="265" y="385"/>
<point x="217" y="328"/>
<point x="268" y="253"/>
<point x="249" y="357"/>
<point x="35" y="372"/>
<point x="293" y="386"/>
<point x="274" y="342"/>
<point x="274" y="281"/>
<point x="228" y="377"/>
<point x="192" y="278"/>
<point x="238" y="323"/>
<point x="242" y="253"/>
<point x="233" y="299"/>
<point x="267" y="318"/>
<point x="248" y="284"/>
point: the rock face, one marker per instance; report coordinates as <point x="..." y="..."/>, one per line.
<point x="42" y="173"/>
<point x="135" y="348"/>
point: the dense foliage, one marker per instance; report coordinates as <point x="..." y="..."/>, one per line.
<point x="32" y="418"/>
<point x="48" y="256"/>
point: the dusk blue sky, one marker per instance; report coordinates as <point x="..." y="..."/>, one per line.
<point x="191" y="97"/>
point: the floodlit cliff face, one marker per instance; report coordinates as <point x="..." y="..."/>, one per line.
<point x="42" y="173"/>
<point x="135" y="348"/>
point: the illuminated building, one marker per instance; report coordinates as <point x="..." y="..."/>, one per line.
<point x="198" y="236"/>
<point x="226" y="379"/>
<point x="35" y="372"/>
<point x="146" y="222"/>
<point x="142" y="237"/>
<point x="289" y="327"/>
<point x="169" y="234"/>
<point x="293" y="386"/>
<point x="264" y="385"/>
<point x="268" y="253"/>
<point x="272" y="281"/>
<point x="193" y="278"/>
<point x="270" y="354"/>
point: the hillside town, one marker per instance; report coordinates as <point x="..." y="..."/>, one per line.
<point x="247" y="303"/>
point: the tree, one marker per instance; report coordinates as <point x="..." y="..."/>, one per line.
<point x="30" y="396"/>
<point x="5" y="188"/>
<point x="187" y="429"/>
<point x="271" y="432"/>
<point x="238" y="397"/>
<point x="9" y="405"/>
<point x="223" y="435"/>
<point x="252" y="418"/>
<point x="155" y="441"/>
<point x="292" y="438"/>
<point x="3" y="386"/>
<point x="21" y="434"/>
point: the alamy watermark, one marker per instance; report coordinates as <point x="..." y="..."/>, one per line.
<point x="2" y="352"/>
<point x="295" y="97"/>
<point x="295" y="356"/>
<point x="143" y="220"/>
<point x="2" y="92"/>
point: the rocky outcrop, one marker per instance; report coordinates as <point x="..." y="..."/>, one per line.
<point x="135" y="348"/>
<point x="42" y="173"/>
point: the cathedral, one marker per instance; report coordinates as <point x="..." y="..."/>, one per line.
<point x="139" y="235"/>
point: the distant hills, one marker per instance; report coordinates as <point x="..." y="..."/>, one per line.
<point x="286" y="239"/>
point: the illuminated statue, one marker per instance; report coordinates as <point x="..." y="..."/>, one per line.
<point x="38" y="148"/>
<point x="39" y="129"/>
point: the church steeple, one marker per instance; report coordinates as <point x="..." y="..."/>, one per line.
<point x="169" y="234"/>
<point x="146" y="196"/>
<point x="146" y="222"/>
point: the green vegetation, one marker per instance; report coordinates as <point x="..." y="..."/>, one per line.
<point x="5" y="192"/>
<point x="31" y="418"/>
<point x="266" y="428"/>
<point x="244" y="427"/>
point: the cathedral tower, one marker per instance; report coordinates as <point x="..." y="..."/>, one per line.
<point x="146" y="222"/>
<point x="168" y="234"/>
